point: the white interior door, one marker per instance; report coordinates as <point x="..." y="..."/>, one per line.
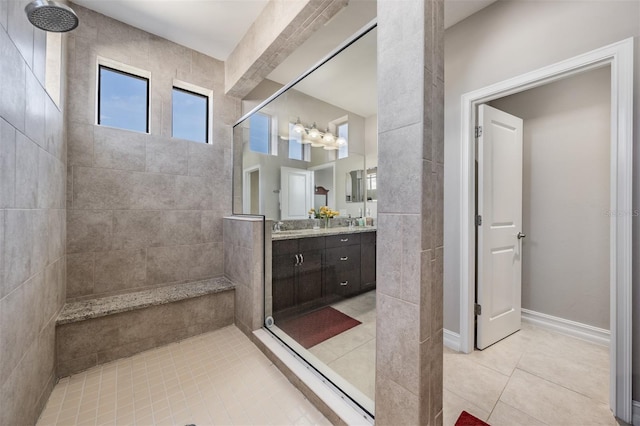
<point x="500" y="235"/>
<point x="296" y="193"/>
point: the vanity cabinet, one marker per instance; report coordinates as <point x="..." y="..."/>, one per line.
<point x="315" y="271"/>
<point x="297" y="269"/>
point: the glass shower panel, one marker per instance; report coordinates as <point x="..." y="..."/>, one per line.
<point x="306" y="161"/>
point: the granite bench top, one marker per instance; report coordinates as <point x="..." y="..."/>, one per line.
<point x="322" y="232"/>
<point x="109" y="305"/>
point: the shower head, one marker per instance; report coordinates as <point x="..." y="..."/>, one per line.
<point x="51" y="16"/>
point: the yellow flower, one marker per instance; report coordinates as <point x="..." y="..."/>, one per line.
<point x="326" y="212"/>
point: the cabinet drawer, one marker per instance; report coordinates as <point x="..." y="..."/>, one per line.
<point x="343" y="283"/>
<point x="342" y="240"/>
<point x="343" y="258"/>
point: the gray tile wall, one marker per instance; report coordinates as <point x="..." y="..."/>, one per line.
<point x="410" y="147"/>
<point x="32" y="219"/>
<point x="145" y="210"/>
<point x="244" y="267"/>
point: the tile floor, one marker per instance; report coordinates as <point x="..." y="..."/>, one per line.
<point x="352" y="354"/>
<point x="216" y="378"/>
<point x="534" y="377"/>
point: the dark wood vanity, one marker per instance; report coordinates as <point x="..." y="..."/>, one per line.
<point x="314" y="271"/>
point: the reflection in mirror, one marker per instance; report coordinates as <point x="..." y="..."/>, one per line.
<point x="354" y="189"/>
<point x="321" y="198"/>
<point x="315" y="145"/>
<point x="372" y="185"/>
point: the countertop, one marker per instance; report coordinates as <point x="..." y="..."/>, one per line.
<point x="309" y="233"/>
<point x="103" y="306"/>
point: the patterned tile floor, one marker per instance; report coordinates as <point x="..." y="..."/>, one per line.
<point x="218" y="378"/>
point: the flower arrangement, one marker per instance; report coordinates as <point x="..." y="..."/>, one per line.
<point x="324" y="213"/>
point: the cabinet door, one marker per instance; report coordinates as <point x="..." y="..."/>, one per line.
<point x="309" y="280"/>
<point x="368" y="261"/>
<point x="283" y="282"/>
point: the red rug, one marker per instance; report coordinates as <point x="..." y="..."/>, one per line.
<point x="467" y="419"/>
<point x="317" y="326"/>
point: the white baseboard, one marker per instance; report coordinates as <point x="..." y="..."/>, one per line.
<point x="586" y="332"/>
<point x="451" y="340"/>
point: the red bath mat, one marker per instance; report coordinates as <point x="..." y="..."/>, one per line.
<point x="467" y="419"/>
<point x="317" y="326"/>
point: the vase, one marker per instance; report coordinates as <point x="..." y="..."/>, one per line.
<point x="327" y="222"/>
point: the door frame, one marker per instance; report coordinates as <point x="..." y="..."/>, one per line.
<point x="246" y="190"/>
<point x="332" y="166"/>
<point x="619" y="56"/>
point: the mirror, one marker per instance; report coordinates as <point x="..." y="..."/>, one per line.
<point x="281" y="152"/>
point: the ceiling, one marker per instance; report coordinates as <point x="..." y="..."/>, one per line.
<point x="214" y="27"/>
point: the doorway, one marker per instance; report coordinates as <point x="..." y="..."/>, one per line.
<point x="252" y="195"/>
<point x="620" y="57"/>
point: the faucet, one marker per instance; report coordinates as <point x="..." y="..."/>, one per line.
<point x="277" y="226"/>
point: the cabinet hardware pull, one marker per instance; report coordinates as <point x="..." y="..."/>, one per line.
<point x="344" y="283"/>
<point x="344" y="240"/>
<point x="344" y="258"/>
<point x="297" y="260"/>
<point x="301" y="258"/>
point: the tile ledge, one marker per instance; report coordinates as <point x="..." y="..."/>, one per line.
<point x="109" y="305"/>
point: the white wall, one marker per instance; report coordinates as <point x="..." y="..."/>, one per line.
<point x="505" y="40"/>
<point x="565" y="262"/>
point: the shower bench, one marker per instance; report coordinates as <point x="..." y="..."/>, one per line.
<point x="96" y="331"/>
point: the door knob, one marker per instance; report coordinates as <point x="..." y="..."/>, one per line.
<point x="521" y="235"/>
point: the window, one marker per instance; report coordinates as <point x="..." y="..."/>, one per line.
<point x="190" y="115"/>
<point x="123" y="100"/>
<point x="298" y="150"/>
<point x="343" y="132"/>
<point x="371" y="182"/>
<point x="260" y="133"/>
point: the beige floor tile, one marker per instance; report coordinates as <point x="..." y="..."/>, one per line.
<point x="358" y="368"/>
<point x="346" y="342"/>
<point x="472" y="381"/>
<point x="181" y="384"/>
<point x="506" y="415"/>
<point x="453" y="405"/>
<point x="574" y="364"/>
<point x="504" y="355"/>
<point x="553" y="404"/>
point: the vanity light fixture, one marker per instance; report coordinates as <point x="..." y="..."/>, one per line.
<point x="316" y="138"/>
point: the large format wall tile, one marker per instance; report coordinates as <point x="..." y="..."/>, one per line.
<point x="119" y="149"/>
<point x="132" y="193"/>
<point x="89" y="230"/>
<point x="32" y="219"/>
